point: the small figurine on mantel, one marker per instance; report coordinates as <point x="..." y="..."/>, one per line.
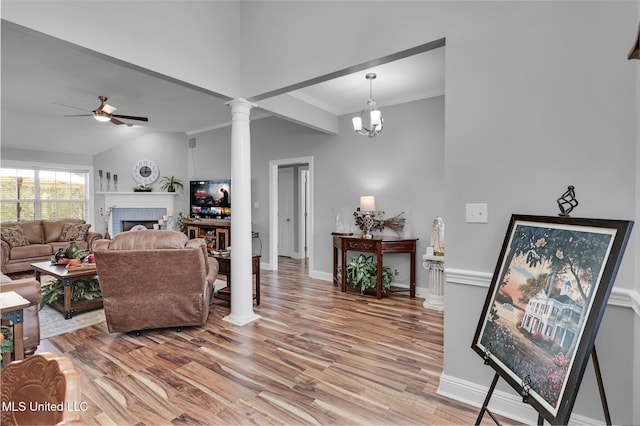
<point x="437" y="236"/>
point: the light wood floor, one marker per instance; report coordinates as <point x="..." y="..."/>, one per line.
<point x="317" y="356"/>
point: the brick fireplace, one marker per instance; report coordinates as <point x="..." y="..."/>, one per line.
<point x="140" y="207"/>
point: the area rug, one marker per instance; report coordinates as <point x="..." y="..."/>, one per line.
<point x="53" y="323"/>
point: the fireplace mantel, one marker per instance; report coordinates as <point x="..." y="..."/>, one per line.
<point x="125" y="200"/>
<point x="138" y="200"/>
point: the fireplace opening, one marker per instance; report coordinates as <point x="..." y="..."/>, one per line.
<point x="128" y="224"/>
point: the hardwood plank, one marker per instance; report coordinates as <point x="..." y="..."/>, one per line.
<point x="317" y="356"/>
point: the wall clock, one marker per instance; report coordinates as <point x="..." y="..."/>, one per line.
<point x="145" y="172"/>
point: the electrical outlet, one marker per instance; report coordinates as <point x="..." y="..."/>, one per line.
<point x="396" y="272"/>
<point x="477" y="213"/>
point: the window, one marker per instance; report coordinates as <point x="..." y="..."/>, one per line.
<point x="33" y="194"/>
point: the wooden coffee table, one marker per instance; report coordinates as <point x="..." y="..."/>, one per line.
<point x="68" y="277"/>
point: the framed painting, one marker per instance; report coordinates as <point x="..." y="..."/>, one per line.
<point x="545" y="303"/>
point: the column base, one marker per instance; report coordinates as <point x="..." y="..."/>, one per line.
<point x="241" y="319"/>
<point x="435" y="303"/>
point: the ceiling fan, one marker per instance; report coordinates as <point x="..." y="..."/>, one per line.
<point x="105" y="113"/>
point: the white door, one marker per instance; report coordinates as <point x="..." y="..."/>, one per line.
<point x="285" y="211"/>
<point x="304" y="213"/>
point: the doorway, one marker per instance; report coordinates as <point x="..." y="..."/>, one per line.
<point x="305" y="166"/>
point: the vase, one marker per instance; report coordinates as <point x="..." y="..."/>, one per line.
<point x="72" y="250"/>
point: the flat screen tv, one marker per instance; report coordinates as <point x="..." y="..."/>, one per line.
<point x="211" y="198"/>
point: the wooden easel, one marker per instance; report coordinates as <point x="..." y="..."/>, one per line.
<point x="603" y="396"/>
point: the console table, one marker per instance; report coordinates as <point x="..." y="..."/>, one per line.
<point x="378" y="245"/>
<point x="217" y="231"/>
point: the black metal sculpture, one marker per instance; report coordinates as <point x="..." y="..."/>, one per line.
<point x="567" y="202"/>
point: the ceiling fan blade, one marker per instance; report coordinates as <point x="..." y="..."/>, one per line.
<point x="116" y="121"/>
<point x="70" y="106"/>
<point x="80" y="115"/>
<point x="130" y="117"/>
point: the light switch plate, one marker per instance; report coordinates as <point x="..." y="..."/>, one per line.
<point x="477" y="213"/>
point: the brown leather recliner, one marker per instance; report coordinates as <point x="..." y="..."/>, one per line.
<point x="30" y="289"/>
<point x="154" y="279"/>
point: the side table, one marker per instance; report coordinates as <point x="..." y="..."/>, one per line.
<point x="11" y="306"/>
<point x="224" y="263"/>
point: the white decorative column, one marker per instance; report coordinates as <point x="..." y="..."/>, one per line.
<point x="435" y="266"/>
<point x="241" y="242"/>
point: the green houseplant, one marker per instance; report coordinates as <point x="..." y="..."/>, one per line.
<point x="87" y="289"/>
<point x="362" y="272"/>
<point x="180" y="223"/>
<point x="6" y="340"/>
<point x="170" y="183"/>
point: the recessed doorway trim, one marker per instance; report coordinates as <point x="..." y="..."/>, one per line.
<point x="273" y="208"/>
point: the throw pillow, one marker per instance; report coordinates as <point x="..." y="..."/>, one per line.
<point x="14" y="236"/>
<point x="74" y="231"/>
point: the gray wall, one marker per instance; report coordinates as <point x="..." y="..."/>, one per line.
<point x="548" y="126"/>
<point x="168" y="150"/>
<point x="50" y="157"/>
<point x="539" y="95"/>
<point x="403" y="168"/>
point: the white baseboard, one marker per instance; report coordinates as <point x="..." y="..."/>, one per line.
<point x="328" y="276"/>
<point x="503" y="403"/>
<point x="320" y="275"/>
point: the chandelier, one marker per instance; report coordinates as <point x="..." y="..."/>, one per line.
<point x="370" y="122"/>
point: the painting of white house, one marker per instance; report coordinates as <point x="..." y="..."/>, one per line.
<point x="540" y="301"/>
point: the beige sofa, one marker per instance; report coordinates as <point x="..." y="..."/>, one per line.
<point x="24" y="243"/>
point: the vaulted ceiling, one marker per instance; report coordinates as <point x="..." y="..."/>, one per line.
<point x="45" y="79"/>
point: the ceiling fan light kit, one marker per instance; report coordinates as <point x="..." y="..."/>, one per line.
<point x="370" y="115"/>
<point x="101" y="116"/>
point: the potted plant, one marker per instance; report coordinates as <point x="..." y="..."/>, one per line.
<point x="170" y="183"/>
<point x="180" y="223"/>
<point x="362" y="273"/>
<point x="6" y="340"/>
